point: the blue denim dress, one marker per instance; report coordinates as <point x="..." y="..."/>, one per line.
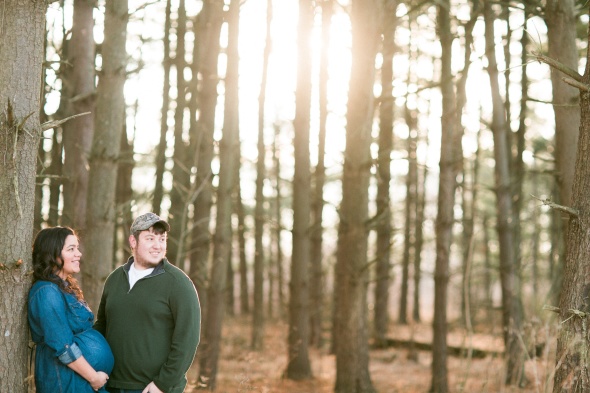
<point x="61" y="326"/>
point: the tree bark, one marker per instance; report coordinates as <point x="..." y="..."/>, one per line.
<point x="446" y="202"/>
<point x="202" y="143"/>
<point x="352" y="357"/>
<point x="257" y="313"/>
<point x="561" y="19"/>
<point x="161" y="150"/>
<point x="21" y="59"/>
<point x="571" y="374"/>
<point x="277" y="230"/>
<point x="319" y="177"/>
<point x="109" y="123"/>
<point x="78" y="132"/>
<point x="298" y="366"/>
<point x="469" y="190"/>
<point x="241" y="234"/>
<point x="223" y="231"/>
<point x="180" y="193"/>
<point x="410" y="219"/>
<point x="509" y="276"/>
<point x="55" y="170"/>
<point x="124" y="191"/>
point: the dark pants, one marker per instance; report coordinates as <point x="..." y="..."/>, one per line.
<point x="115" y="390"/>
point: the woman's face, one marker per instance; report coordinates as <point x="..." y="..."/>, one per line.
<point x="70" y="257"/>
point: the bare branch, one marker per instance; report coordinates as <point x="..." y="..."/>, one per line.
<point x="566" y="209"/>
<point x="559" y="66"/>
<point x="576" y="84"/>
<point x="54" y="123"/>
<point x="551" y="308"/>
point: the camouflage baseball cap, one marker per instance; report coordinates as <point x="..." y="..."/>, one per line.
<point x="146" y="221"/>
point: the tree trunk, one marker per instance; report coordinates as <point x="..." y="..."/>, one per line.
<point x="571" y="374"/>
<point x="21" y="59"/>
<point x="202" y="144"/>
<point x="55" y="170"/>
<point x="487" y="278"/>
<point x="384" y="231"/>
<point x="298" y="366"/>
<point x="278" y="228"/>
<point x="109" y="123"/>
<point x="124" y="192"/>
<point x="352" y="355"/>
<point x="241" y="233"/>
<point x="469" y="190"/>
<point x="316" y="257"/>
<point x="180" y="193"/>
<point x="78" y="132"/>
<point x="42" y="154"/>
<point x="446" y="202"/>
<point x="257" y="314"/>
<point x="223" y="232"/>
<point x="510" y="280"/>
<point x="410" y="209"/>
<point x="161" y="150"/>
<point x="561" y="19"/>
<point x="420" y="204"/>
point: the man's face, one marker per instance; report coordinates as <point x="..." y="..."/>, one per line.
<point x="148" y="249"/>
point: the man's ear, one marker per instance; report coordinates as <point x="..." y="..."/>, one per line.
<point x="132" y="242"/>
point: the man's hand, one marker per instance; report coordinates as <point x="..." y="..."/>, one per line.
<point x="151" y="388"/>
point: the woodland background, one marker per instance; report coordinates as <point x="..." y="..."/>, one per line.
<point x="346" y="180"/>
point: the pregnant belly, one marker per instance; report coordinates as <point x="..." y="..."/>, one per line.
<point x="96" y="350"/>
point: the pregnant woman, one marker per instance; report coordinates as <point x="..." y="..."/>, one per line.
<point x="71" y="357"/>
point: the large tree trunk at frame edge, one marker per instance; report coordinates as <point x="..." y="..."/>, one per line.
<point x="571" y="374"/>
<point x="561" y="16"/>
<point x="21" y="57"/>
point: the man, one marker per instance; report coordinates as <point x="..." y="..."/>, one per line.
<point x="150" y="315"/>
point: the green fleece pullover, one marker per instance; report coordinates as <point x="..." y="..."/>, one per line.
<point x="153" y="329"/>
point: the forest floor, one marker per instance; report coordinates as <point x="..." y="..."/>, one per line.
<point x="392" y="370"/>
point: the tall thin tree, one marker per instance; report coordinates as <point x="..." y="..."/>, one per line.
<point x="223" y="232"/>
<point x="109" y="120"/>
<point x="78" y="132"/>
<point x="161" y="150"/>
<point x="384" y="230"/>
<point x="509" y="276"/>
<point x="257" y="313"/>
<point x="202" y="143"/>
<point x="298" y="361"/>
<point x="352" y="355"/>
<point x="446" y="201"/>
<point x="179" y="194"/>
<point x="319" y="179"/>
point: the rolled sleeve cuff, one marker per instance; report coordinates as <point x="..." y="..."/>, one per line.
<point x="71" y="353"/>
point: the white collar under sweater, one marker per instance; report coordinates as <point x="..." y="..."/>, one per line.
<point x="135" y="274"/>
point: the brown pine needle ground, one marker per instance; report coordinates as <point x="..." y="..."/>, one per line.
<point x="392" y="370"/>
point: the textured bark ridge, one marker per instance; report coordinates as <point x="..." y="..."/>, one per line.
<point x="21" y="56"/>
